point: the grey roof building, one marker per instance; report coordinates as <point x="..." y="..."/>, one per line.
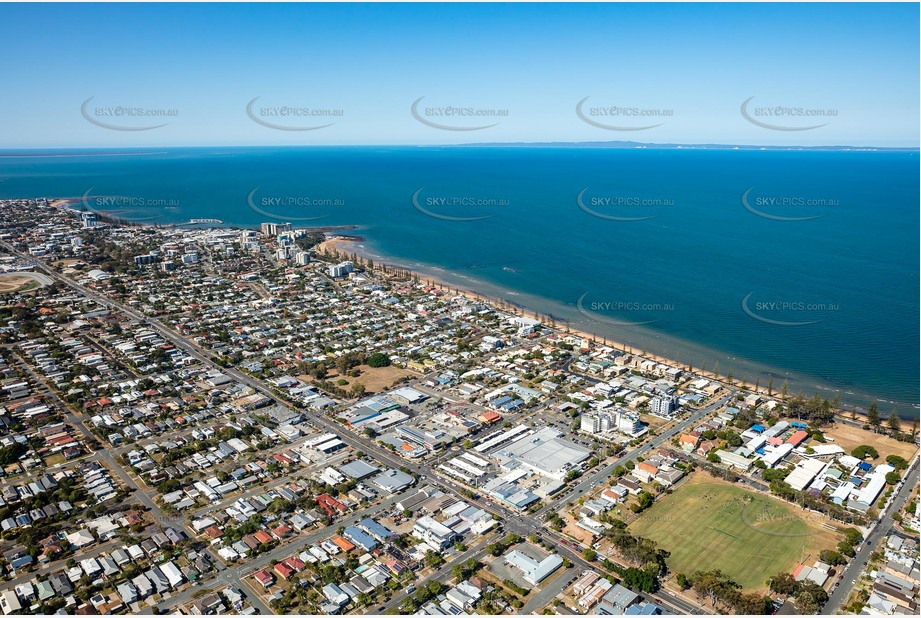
<point x="358" y="469"/>
<point x="393" y="481"/>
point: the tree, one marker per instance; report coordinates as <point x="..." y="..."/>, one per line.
<point x="434" y="587"/>
<point x="830" y="556"/>
<point x="644" y="500"/>
<point x="364" y="599"/>
<point x="378" y="359"/>
<point x="589" y="554"/>
<point x="894" y="422"/>
<point x="11" y="454"/>
<point x="752" y="604"/>
<point x="682" y="580"/>
<point x="873" y="415"/>
<point x="714" y="585"/>
<point x="816" y="591"/>
<point x="892" y="478"/>
<point x="852" y="536"/>
<point x="806" y="603"/>
<point x="863" y="451"/>
<point x="897" y="462"/>
<point x="847" y="549"/>
<point x="783" y="583"/>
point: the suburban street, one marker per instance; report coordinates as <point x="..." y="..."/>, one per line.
<point x="858" y="563"/>
<point x="518" y="523"/>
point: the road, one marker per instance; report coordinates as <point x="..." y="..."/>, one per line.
<point x="672" y="604"/>
<point x="235" y="575"/>
<point x="51" y="567"/>
<point x="549" y="591"/>
<point x="518" y="523"/>
<point x="589" y="481"/>
<point x="476" y="552"/>
<point x="858" y="563"/>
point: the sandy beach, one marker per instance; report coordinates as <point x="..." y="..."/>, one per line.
<point x="350" y="245"/>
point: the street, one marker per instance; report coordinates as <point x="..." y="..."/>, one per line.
<point x="857" y="564"/>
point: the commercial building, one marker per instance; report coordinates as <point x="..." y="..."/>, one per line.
<point x="532" y="571"/>
<point x="432" y="533"/>
<point x="393" y="481"/>
<point x="873" y="486"/>
<point x="274" y="229"/>
<point x="544" y="453"/>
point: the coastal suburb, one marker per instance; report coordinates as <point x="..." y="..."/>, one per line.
<point x="199" y="419"/>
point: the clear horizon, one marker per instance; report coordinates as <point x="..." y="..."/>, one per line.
<point x="646" y="145"/>
<point x="264" y="75"/>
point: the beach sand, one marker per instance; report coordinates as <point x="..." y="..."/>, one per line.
<point x="349" y="245"/>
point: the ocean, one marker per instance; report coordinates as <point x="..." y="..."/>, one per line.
<point x="775" y="265"/>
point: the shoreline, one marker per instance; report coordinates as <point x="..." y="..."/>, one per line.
<point x="347" y="245"/>
<point x="68" y="203"/>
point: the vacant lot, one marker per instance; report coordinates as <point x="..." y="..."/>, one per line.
<point x="375" y="379"/>
<point x="17" y="284"/>
<point x="710" y="524"/>
<point x="848" y="438"/>
<point x="655" y="422"/>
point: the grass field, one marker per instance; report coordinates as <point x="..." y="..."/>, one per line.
<point x="17" y="284"/>
<point x="375" y="379"/>
<point x="848" y="438"/>
<point x="710" y="524"/>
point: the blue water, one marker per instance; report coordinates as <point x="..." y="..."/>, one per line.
<point x="673" y="284"/>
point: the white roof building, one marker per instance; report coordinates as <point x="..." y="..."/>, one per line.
<point x="533" y="572"/>
<point x="804" y="473"/>
<point x="776" y="454"/>
<point x="873" y="486"/>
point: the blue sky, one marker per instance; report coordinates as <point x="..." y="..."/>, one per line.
<point x="695" y="63"/>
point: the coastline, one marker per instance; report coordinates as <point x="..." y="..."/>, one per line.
<point x="349" y="245"/>
<point x="643" y="343"/>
